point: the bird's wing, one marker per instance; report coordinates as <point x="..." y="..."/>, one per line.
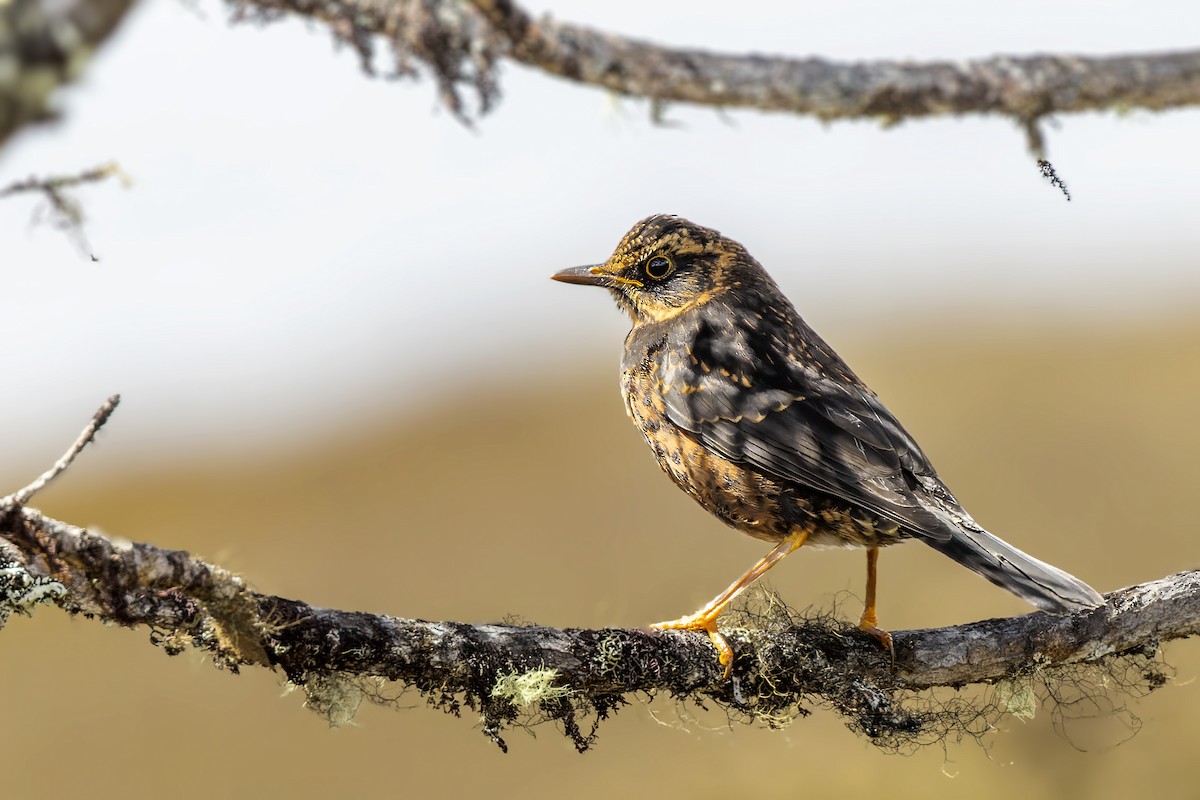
<point x="745" y="396"/>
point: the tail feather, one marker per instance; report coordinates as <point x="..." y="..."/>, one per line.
<point x="1044" y="586"/>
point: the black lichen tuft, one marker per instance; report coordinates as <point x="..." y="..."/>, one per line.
<point x="1049" y="174"/>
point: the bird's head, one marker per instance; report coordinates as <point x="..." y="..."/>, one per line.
<point x="665" y="265"/>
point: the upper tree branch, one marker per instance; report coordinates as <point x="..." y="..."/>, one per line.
<point x="460" y="41"/>
<point x="1021" y="87"/>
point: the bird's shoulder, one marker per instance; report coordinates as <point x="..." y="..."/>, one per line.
<point x="739" y="359"/>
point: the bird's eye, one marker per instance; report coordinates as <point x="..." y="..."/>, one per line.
<point x="659" y="267"/>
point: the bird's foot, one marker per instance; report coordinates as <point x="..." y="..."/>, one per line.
<point x="883" y="637"/>
<point x="703" y="621"/>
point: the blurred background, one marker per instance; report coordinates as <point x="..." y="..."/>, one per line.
<point x="346" y="376"/>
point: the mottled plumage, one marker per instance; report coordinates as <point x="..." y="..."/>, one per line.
<point x="751" y="413"/>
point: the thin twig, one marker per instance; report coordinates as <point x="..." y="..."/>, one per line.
<point x="23" y="496"/>
<point x="66" y="213"/>
<point x="54" y="184"/>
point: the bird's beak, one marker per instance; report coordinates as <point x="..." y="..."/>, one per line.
<point x="593" y="275"/>
<point x="590" y="275"/>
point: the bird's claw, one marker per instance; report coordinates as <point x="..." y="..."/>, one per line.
<point x="708" y="624"/>
<point x="881" y="636"/>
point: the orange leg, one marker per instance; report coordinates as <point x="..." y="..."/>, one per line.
<point x="869" y="620"/>
<point x="706" y="618"/>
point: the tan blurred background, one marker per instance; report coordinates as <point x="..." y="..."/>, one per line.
<point x="346" y="376"/>
<point x="544" y="503"/>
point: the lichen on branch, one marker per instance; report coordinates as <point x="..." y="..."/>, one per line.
<point x="459" y="43"/>
<point x="787" y="663"/>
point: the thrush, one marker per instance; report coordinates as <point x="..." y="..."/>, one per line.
<point x="751" y="413"/>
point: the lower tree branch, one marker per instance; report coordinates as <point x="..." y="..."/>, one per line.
<point x="508" y="672"/>
<point x="515" y="674"/>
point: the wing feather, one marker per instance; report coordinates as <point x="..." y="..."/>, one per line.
<point x="800" y="420"/>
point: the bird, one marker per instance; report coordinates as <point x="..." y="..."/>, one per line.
<point x="753" y="415"/>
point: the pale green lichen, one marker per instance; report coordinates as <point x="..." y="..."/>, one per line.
<point x="609" y="654"/>
<point x="1016" y="696"/>
<point x="527" y="688"/>
<point x="334" y="696"/>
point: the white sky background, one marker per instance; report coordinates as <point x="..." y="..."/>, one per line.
<point x="300" y="239"/>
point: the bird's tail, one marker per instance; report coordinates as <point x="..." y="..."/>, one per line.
<point x="1047" y="587"/>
